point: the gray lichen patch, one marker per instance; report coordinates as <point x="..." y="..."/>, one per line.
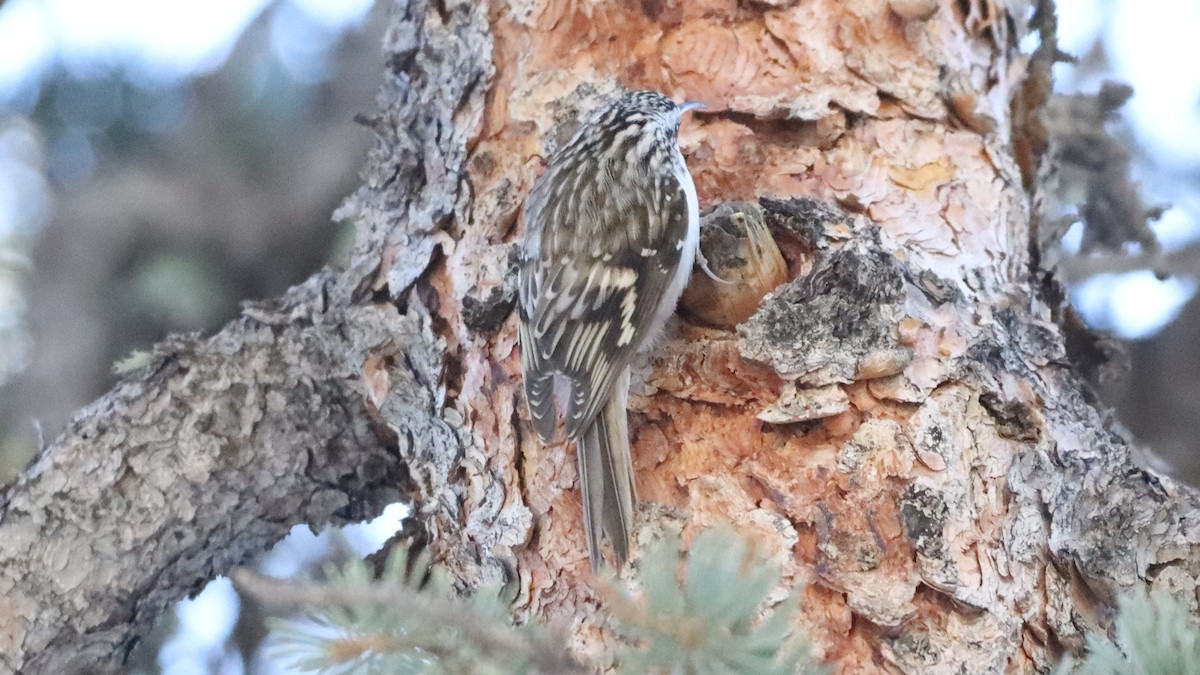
<point x="485" y="315"/>
<point x="924" y="514"/>
<point x="802" y="405"/>
<point x="1013" y="419"/>
<point x="818" y="328"/>
<point x="808" y="220"/>
<point x="872" y="438"/>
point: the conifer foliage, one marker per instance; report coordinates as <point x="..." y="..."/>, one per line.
<point x="703" y="612"/>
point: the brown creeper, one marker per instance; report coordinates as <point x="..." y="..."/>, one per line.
<point x="610" y="236"/>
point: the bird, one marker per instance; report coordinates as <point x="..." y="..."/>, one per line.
<point x="610" y="235"/>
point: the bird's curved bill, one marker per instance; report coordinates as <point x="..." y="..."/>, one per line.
<point x="691" y="105"/>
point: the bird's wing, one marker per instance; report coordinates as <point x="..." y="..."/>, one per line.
<point x="587" y="301"/>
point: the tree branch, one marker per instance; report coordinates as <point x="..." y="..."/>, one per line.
<point x="205" y="458"/>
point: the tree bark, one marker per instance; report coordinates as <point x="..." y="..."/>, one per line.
<point x="207" y="457"/>
<point x="899" y="425"/>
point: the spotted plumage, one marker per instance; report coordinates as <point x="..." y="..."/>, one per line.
<point x="610" y="235"/>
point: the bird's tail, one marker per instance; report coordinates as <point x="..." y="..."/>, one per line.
<point x="606" y="478"/>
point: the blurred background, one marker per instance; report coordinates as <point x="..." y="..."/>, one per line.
<point x="161" y="161"/>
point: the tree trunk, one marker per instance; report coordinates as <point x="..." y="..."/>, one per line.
<point x="899" y="424"/>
